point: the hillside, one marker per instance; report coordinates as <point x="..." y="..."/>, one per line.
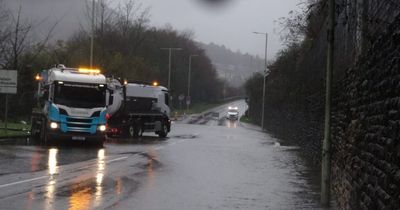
<point x="235" y="67"/>
<point x="70" y="16"/>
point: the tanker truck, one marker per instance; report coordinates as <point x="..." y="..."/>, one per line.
<point x="136" y="108"/>
<point x="71" y="106"/>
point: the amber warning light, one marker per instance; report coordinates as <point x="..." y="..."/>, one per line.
<point x="155" y="83"/>
<point x="89" y="71"/>
<point x="37" y="77"/>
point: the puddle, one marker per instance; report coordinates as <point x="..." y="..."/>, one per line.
<point x="19" y="141"/>
<point x="184" y="136"/>
<point x="144" y="140"/>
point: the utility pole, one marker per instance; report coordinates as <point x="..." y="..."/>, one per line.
<point x="326" y="149"/>
<point x="190" y="70"/>
<point x="6" y="115"/>
<point x="264" y="77"/>
<point x="92" y="35"/>
<point x="170" y="49"/>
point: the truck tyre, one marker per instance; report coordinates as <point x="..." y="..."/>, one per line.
<point x="135" y="131"/>
<point x="99" y="143"/>
<point x="131" y="131"/>
<point x="44" y="136"/>
<point x="164" y="131"/>
<point x="35" y="130"/>
<point x="140" y="131"/>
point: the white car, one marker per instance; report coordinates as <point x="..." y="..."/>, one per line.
<point x="233" y="113"/>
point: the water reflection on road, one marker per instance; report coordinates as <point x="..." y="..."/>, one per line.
<point x="82" y="194"/>
<point x="231" y="124"/>
<point x="99" y="177"/>
<point x="52" y="162"/>
<point x="217" y="165"/>
<point x="51" y="185"/>
<point x="152" y="158"/>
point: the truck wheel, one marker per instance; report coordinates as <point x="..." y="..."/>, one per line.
<point x="131" y="131"/>
<point x="135" y="131"/>
<point x="164" y="131"/>
<point x="44" y="136"/>
<point x="35" y="131"/>
<point x="140" y="131"/>
<point x="99" y="143"/>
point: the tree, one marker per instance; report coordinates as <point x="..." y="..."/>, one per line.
<point x="254" y="91"/>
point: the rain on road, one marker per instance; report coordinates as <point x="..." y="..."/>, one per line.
<point x="206" y="163"/>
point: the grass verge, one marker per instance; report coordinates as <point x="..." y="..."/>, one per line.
<point x="246" y="119"/>
<point x="14" y="129"/>
<point x="197" y="108"/>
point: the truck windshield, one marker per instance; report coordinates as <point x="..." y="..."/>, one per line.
<point x="80" y="95"/>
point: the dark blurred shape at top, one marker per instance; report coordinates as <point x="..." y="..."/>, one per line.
<point x="216" y="3"/>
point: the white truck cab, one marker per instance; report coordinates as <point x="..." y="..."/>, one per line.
<point x="72" y="105"/>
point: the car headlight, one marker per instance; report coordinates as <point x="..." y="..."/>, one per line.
<point x="102" y="128"/>
<point x="53" y="125"/>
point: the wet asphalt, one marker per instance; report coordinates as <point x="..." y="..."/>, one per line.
<point x="206" y="162"/>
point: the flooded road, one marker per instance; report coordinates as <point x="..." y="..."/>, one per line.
<point x="209" y="164"/>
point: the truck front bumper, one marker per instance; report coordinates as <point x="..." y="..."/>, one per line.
<point x="59" y="136"/>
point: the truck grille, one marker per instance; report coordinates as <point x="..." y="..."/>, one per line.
<point x="79" y="120"/>
<point x="79" y="124"/>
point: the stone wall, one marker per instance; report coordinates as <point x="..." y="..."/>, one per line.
<point x="366" y="121"/>
<point x="366" y="128"/>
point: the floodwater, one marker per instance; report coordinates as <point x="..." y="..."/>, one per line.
<point x="206" y="163"/>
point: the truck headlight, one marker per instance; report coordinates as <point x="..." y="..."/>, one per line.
<point x="53" y="125"/>
<point x="102" y="128"/>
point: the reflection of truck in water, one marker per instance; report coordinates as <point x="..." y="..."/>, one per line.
<point x="71" y="106"/>
<point x="136" y="108"/>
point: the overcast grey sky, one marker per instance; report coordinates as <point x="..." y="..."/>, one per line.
<point x="231" y="24"/>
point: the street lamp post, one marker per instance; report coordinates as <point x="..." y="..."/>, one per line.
<point x="326" y="146"/>
<point x="190" y="70"/>
<point x="170" y="49"/>
<point x="92" y="35"/>
<point x="264" y="77"/>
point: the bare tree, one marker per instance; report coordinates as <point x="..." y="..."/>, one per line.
<point x="302" y="23"/>
<point x="104" y="14"/>
<point x="4" y="32"/>
<point x="14" y="43"/>
<point x="14" y="38"/>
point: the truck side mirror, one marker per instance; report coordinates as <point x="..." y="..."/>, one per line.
<point x="111" y="98"/>
<point x="45" y="95"/>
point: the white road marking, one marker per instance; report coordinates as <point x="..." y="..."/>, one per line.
<point x="108" y="161"/>
<point x="23" y="181"/>
<point x="83" y="167"/>
<point x="117" y="159"/>
<point x="47" y="176"/>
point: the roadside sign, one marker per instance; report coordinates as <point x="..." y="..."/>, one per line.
<point x="181" y="97"/>
<point x="8" y="81"/>
<point x="8" y="85"/>
<point x="188" y="100"/>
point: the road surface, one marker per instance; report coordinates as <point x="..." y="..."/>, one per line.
<point x="209" y="164"/>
